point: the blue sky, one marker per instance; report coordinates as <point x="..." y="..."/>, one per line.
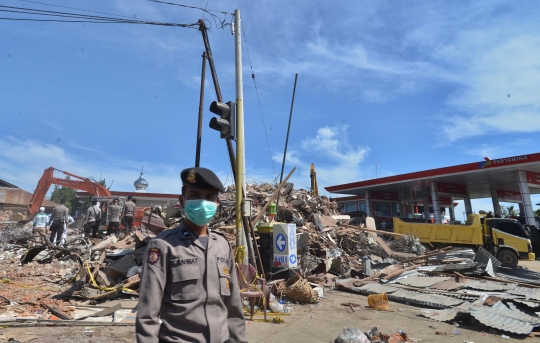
<point x="403" y="86"/>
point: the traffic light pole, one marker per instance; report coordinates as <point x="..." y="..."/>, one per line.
<point x="204" y="34"/>
<point x="201" y="102"/>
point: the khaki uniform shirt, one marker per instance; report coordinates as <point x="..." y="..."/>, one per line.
<point x="91" y="213"/>
<point x="194" y="291"/>
<point x="114" y="213"/>
<point x="60" y="212"/>
<point x="129" y="209"/>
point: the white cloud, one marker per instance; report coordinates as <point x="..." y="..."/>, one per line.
<point x="23" y="161"/>
<point x="500" y="95"/>
<point x="335" y="159"/>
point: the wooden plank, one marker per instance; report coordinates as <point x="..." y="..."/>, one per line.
<point x="399" y="272"/>
<point x="384" y="246"/>
<point x="358" y="228"/>
<point x="274" y="197"/>
<point x="58" y="312"/>
<point x="100" y="261"/>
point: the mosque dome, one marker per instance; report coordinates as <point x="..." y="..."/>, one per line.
<point x="140" y="184"/>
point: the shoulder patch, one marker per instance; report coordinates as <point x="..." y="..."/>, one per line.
<point x="153" y="255"/>
<point x="165" y="233"/>
<point x="219" y="233"/>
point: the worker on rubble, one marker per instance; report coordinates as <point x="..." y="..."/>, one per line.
<point x="189" y="291"/>
<point x="92" y="225"/>
<point x="64" y="234"/>
<point x="114" y="218"/>
<point x="40" y="226"/>
<point x="62" y="239"/>
<point x="128" y="214"/>
<point x="59" y="217"/>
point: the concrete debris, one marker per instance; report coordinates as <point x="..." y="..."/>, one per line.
<point x="45" y="281"/>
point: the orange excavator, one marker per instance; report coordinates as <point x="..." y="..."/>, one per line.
<point x="83" y="183"/>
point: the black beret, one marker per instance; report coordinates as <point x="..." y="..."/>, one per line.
<point x="201" y="178"/>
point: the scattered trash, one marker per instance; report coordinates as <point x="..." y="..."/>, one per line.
<point x="378" y="301"/>
<point x="351" y="335"/>
<point x="504" y="336"/>
<point x="88" y="331"/>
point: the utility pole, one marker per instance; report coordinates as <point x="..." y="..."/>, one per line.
<point x="201" y="102"/>
<point x="241" y="244"/>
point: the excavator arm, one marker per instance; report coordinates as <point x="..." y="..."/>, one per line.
<point x="83" y="183"/>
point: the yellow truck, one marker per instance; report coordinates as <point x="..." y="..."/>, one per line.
<point x="504" y="238"/>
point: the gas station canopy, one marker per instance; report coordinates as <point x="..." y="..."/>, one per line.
<point x="510" y="179"/>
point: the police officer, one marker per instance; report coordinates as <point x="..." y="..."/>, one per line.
<point x="129" y="213"/>
<point x="189" y="290"/>
<point x="114" y="218"/>
<point x="92" y="226"/>
<point x="59" y="217"/>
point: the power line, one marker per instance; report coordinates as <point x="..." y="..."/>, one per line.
<point x="82" y="10"/>
<point x="259" y="100"/>
<point x="84" y="18"/>
<point x="216" y="19"/>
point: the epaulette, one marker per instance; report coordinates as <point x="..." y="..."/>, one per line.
<point x="221" y="234"/>
<point x="166" y="233"/>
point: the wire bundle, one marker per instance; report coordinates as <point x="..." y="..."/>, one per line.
<point x="32" y="14"/>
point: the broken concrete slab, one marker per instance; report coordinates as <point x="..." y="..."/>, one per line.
<point x="328" y="221"/>
<point x="104" y="244"/>
<point x="104" y="280"/>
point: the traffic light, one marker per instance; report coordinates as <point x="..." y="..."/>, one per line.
<point x="227" y="123"/>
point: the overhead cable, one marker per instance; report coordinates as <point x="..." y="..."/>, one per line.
<point x="84" y="18"/>
<point x="259" y="100"/>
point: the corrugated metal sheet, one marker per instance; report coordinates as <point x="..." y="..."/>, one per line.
<point x="486" y="285"/>
<point x="374" y="288"/>
<point x="445" y="315"/>
<point x="527" y="303"/>
<point x="501" y="317"/>
<point x="483" y="256"/>
<point x="449" y="284"/>
<point x="513" y="312"/>
<point x="501" y="322"/>
<point x="422" y="281"/>
<point x="465" y="253"/>
<point x="431" y="300"/>
<point x="518" y="275"/>
<point x="527" y="292"/>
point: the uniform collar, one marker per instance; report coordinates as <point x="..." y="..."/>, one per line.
<point x="185" y="233"/>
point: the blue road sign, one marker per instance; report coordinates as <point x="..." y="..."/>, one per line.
<point x="292" y="259"/>
<point x="281" y="242"/>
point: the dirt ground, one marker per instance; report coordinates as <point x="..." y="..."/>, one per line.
<point x="308" y="323"/>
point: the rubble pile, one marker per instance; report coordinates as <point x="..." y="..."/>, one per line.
<point x="5" y="215"/>
<point x="48" y="282"/>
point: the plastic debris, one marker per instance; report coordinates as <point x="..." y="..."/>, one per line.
<point x="351" y="335"/>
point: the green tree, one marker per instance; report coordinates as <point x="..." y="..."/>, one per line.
<point x="87" y="202"/>
<point x="508" y="211"/>
<point x="60" y="193"/>
<point x="537" y="213"/>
